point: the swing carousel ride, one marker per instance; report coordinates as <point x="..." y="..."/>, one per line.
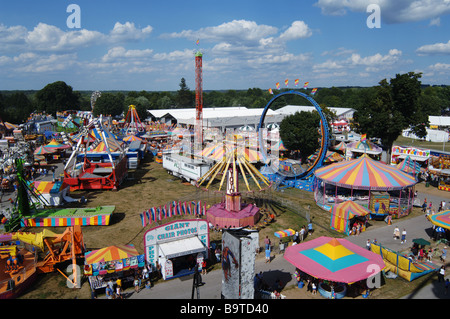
<point x="233" y="166"/>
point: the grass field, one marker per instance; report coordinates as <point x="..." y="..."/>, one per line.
<point x="404" y="141"/>
<point x="151" y="185"/>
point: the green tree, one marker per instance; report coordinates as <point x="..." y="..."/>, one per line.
<point x="17" y="107"/>
<point x="300" y="131"/>
<point x="164" y="102"/>
<point x="379" y="118"/>
<point x="110" y="104"/>
<point x="184" y="97"/>
<point x="57" y="96"/>
<point x="406" y="90"/>
<point x="142" y="105"/>
<point x="394" y="107"/>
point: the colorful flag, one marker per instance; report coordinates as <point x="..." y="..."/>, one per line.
<point x="153" y="213"/>
<point x="305" y="85"/>
<point x="286" y="82"/>
<point x="314" y="91"/>
<point x="363" y="137"/>
<point x="184" y="208"/>
<point x="296" y="82"/>
<point x="270" y="91"/>
<point x="142" y="219"/>
<point x="198" y="41"/>
<point x="160" y="213"/>
<point x="147" y="213"/>
<point x="277" y="85"/>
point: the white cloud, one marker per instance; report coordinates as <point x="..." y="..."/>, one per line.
<point x="298" y="30"/>
<point x="46" y="37"/>
<point x="117" y="53"/>
<point x="32" y="63"/>
<point x="377" y="59"/>
<point x="328" y="65"/>
<point x="236" y="31"/>
<point x="435" y="22"/>
<point x="440" y="67"/>
<point x="176" y="55"/>
<point x="437" y="48"/>
<point x="49" y="38"/>
<point x="397" y="11"/>
<point x="372" y="63"/>
<point x="12" y="35"/>
<point x="128" y="32"/>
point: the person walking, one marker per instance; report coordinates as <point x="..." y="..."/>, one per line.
<point x="396" y="233"/>
<point x="204" y="267"/>
<point x="368" y="245"/>
<point x="136" y="284"/>
<point x="119" y="292"/>
<point x="302" y="233"/>
<point x="403" y="236"/>
<point x="310" y="228"/>
<point x="109" y="292"/>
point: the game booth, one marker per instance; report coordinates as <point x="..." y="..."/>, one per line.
<point x="112" y="263"/>
<point x="177" y="246"/>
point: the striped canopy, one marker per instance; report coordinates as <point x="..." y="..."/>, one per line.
<point x="365" y="173"/>
<point x="10" y="126"/>
<point x="56" y="145"/>
<point x="340" y="147"/>
<point x="42" y="150"/>
<point x="110" y="253"/>
<point x="441" y="219"/>
<point x="101" y="147"/>
<point x="364" y="147"/>
<point x="334" y="259"/>
<point x="330" y="157"/>
<point x="284" y="233"/>
<point x="131" y="138"/>
<point x="216" y="152"/>
<point x="342" y="213"/>
<point x="409" y="166"/>
<point x="280" y="146"/>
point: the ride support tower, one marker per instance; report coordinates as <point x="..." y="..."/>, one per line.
<point x="198" y="134"/>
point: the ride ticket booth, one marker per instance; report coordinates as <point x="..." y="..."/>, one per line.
<point x="177" y="246"/>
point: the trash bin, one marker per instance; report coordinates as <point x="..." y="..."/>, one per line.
<point x="427" y="184"/>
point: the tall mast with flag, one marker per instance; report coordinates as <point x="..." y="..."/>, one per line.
<point x="198" y="137"/>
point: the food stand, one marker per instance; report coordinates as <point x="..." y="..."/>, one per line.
<point x="177" y="246"/>
<point x="112" y="263"/>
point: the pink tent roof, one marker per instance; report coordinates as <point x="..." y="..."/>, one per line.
<point x="334" y="259"/>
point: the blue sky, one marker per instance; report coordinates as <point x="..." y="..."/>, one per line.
<point x="150" y="45"/>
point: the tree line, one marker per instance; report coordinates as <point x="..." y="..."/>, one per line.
<point x="382" y="111"/>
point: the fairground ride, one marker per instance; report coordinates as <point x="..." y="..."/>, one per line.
<point x="287" y="177"/>
<point x="234" y="159"/>
<point x="133" y="124"/>
<point x="107" y="174"/>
